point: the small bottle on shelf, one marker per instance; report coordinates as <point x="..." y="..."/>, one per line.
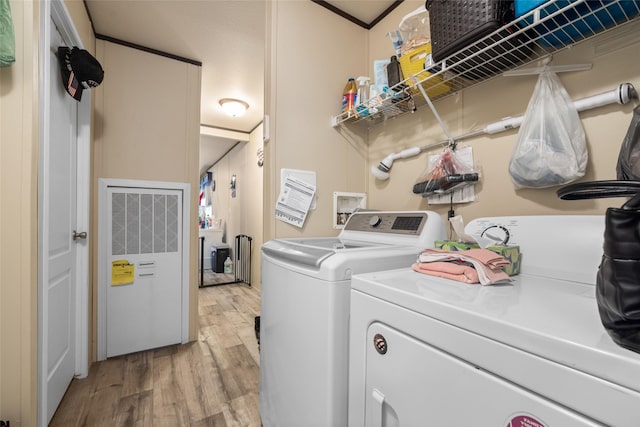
<point x="394" y="72"/>
<point x="349" y="95"/>
<point x="394" y="77"/>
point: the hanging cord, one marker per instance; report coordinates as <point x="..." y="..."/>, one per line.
<point x="450" y="215"/>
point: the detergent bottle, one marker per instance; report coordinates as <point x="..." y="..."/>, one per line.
<point x="228" y="266"/>
<point x="349" y="95"/>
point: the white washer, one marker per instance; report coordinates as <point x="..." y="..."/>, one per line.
<point x="304" y="319"/>
<point x="431" y="351"/>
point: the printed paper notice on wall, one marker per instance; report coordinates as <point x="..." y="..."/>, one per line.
<point x="307" y="176"/>
<point x="121" y="272"/>
<point x="294" y="201"/>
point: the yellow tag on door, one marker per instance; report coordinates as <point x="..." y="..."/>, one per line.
<point x="121" y="272"/>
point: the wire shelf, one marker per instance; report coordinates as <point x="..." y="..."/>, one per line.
<point x="541" y="32"/>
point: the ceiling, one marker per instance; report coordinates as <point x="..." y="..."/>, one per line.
<point x="227" y="37"/>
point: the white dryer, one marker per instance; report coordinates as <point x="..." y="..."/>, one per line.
<point x="533" y="353"/>
<point x="304" y="319"/>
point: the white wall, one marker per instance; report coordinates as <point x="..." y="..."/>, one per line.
<point x="491" y="101"/>
<point x="312" y="52"/>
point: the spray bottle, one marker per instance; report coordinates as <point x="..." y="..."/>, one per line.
<point x="363" y="95"/>
<point x="363" y="90"/>
<point x="396" y="40"/>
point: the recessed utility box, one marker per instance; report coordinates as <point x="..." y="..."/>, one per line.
<point x="344" y="204"/>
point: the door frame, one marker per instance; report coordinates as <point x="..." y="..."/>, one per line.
<point x="56" y="11"/>
<point x="103" y="265"/>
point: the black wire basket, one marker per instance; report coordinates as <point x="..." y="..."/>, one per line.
<point x="454" y="24"/>
<point x="457" y="24"/>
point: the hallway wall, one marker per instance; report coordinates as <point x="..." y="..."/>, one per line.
<point x="147" y="127"/>
<point x="242" y="214"/>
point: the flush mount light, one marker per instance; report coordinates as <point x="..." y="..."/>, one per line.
<point x="233" y="107"/>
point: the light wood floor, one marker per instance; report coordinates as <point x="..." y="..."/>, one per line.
<point x="210" y="382"/>
<point x="211" y="278"/>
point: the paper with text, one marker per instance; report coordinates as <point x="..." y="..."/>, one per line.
<point x="294" y="201"/>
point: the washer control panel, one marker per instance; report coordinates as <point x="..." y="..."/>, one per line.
<point x="410" y="223"/>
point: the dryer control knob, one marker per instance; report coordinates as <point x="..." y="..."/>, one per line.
<point x="375" y="221"/>
<point x="498" y="233"/>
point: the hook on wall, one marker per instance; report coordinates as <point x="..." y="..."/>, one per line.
<point x="233" y="185"/>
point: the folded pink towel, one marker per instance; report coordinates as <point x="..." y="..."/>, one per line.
<point x="487" y="264"/>
<point x="448" y="270"/>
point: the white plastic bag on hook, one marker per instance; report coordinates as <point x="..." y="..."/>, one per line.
<point x="551" y="148"/>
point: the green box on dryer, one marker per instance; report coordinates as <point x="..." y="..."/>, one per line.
<point x="512" y="253"/>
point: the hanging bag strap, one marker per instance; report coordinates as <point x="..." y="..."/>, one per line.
<point x="599" y="190"/>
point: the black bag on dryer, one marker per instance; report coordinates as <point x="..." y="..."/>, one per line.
<point x="618" y="279"/>
<point x="628" y="167"/>
<point x="618" y="282"/>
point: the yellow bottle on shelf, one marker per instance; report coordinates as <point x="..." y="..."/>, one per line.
<point x="349" y="95"/>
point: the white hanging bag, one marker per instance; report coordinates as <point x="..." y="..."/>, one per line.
<point x="551" y="148"/>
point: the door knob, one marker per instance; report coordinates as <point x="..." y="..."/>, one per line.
<point x="82" y="235"/>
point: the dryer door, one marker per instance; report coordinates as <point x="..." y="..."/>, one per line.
<point x="411" y="383"/>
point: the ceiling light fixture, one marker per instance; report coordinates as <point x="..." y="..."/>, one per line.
<point x="233" y="107"/>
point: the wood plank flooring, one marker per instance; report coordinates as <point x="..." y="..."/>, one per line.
<point x="210" y="382"/>
<point x="211" y="278"/>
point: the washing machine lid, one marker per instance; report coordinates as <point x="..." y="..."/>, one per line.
<point x="329" y="243"/>
<point x="552" y="318"/>
<point x="311" y="251"/>
<point x="386" y="239"/>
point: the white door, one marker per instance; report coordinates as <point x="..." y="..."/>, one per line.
<point x="59" y="208"/>
<point x="144" y="285"/>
